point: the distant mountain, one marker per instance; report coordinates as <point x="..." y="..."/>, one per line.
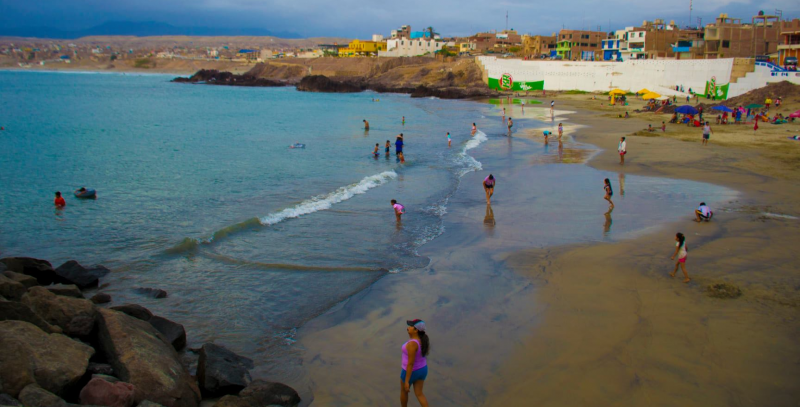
<point x="140" y="29"/>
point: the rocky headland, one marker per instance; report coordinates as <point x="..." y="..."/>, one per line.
<point x="61" y="349"/>
<point x="419" y="76"/>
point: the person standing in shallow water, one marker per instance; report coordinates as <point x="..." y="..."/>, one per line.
<point x="414" y="363"/>
<point x="681" y="252"/>
<point x="399" y="210"/>
<point x="388" y="147"/>
<point x="59" y="201"/>
<point x="488" y="187"/>
<point x="366" y="124"/>
<point x="609" y="193"/>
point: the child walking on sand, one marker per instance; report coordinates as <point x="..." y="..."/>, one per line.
<point x="609" y="193"/>
<point x="680" y="251"/>
<point x="663" y="127"/>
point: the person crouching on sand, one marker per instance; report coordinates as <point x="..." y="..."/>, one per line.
<point x="681" y="252"/>
<point x="488" y="187"/>
<point x="622" y="148"/>
<point x="399" y="209"/>
<point x="609" y="193"/>
<point x="414" y="364"/>
<point x="703" y="213"/>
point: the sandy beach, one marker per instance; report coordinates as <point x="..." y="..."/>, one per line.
<point x="595" y="323"/>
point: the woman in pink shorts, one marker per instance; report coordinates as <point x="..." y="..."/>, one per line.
<point x="681" y="252"/>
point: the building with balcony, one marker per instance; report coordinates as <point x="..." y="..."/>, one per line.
<point x="730" y="38"/>
<point x="611" y="47"/>
<point x="537" y="46"/>
<point x="580" y="45"/>
<point x="789" y="48"/>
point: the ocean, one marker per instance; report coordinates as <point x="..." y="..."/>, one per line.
<point x="200" y="194"/>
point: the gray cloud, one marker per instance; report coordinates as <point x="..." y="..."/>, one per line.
<point x="360" y="18"/>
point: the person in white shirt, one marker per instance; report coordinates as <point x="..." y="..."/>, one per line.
<point x="681" y="252"/>
<point x="703" y="213"/>
<point x="622" y="148"/>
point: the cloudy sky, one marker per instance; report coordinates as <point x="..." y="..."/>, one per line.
<point x="361" y="18"/>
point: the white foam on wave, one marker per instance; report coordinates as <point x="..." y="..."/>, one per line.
<point x="323" y="202"/>
<point x="470" y="163"/>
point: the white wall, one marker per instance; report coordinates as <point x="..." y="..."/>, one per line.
<point x="604" y="76"/>
<point x="762" y="76"/>
<point x="404" y="47"/>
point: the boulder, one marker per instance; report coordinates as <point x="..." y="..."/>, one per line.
<point x="23" y="279"/>
<point x="140" y="356"/>
<point x="73" y="315"/>
<point x="231" y="401"/>
<point x="15" y="311"/>
<point x="220" y="371"/>
<point x="172" y="331"/>
<point x="29" y="355"/>
<point x="151" y="292"/>
<point x="99" y="392"/>
<point x="148" y="403"/>
<point x="8" y="401"/>
<point x="67" y="290"/>
<point x="110" y="379"/>
<point x="35" y="396"/>
<point x="264" y="393"/>
<point x="74" y="273"/>
<point x="100" y="368"/>
<point x="11" y="289"/>
<point x="100" y="298"/>
<point x="41" y="270"/>
<point x="135" y="310"/>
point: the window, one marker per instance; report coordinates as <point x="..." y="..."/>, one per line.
<point x="726" y="44"/>
<point x="586" y="36"/>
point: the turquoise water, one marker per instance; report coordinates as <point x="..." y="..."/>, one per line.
<point x="199" y="193"/>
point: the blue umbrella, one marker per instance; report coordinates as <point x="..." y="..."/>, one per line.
<point x="723" y="108"/>
<point x="686" y="109"/>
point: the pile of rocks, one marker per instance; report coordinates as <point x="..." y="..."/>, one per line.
<point x="59" y="348"/>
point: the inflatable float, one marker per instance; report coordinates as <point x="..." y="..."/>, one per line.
<point x="85" y="193"/>
<point x="297" y="145"/>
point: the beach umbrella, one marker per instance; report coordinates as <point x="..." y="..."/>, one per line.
<point x="795" y="114"/>
<point x="686" y="109"/>
<point x="723" y="109"/>
<point x="651" y="95"/>
<point x="643" y="91"/>
<point x="617" y="92"/>
<point x="754" y="106"/>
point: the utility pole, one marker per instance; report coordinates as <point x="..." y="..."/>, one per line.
<point x="690" y="12"/>
<point x="506" y="20"/>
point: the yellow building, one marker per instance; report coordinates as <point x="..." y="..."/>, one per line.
<point x="359" y="48"/>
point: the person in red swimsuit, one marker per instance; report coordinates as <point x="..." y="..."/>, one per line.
<point x="60" y="202"/>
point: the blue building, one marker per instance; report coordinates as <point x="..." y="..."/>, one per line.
<point x="611" y="50"/>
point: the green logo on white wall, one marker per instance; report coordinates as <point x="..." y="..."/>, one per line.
<point x="506" y="82"/>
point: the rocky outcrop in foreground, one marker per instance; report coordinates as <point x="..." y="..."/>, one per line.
<point x="320" y="83"/>
<point x="58" y="349"/>
<point x="215" y="77"/>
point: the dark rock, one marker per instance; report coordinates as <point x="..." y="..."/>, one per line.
<point x="73" y="315"/>
<point x="99" y="392"/>
<point x="35" y="396"/>
<point x="41" y="270"/>
<point x="100" y="298"/>
<point x="723" y="290"/>
<point x="29" y="355"/>
<point x="135" y="310"/>
<point x="148" y="403"/>
<point x="172" y="331"/>
<point x="3" y="268"/>
<point x="11" y="289"/>
<point x="151" y="292"/>
<point x="23" y="279"/>
<point x="215" y="77"/>
<point x="15" y="311"/>
<point x="108" y="378"/>
<point x="220" y="371"/>
<point x="264" y="393"/>
<point x="83" y="277"/>
<point x="67" y="290"/>
<point x="231" y="401"/>
<point x="100" y="368"/>
<point x="422" y="91"/>
<point x="140" y="356"/>
<point x="8" y="401"/>
<point x="321" y="83"/>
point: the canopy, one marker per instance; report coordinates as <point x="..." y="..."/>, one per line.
<point x="651" y="95"/>
<point x="723" y="108"/>
<point x="754" y="106"/>
<point x="643" y="91"/>
<point x="686" y="109"/>
<point x="795" y="114"/>
<point x="617" y="92"/>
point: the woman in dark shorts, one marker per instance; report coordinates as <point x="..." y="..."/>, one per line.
<point x="609" y="193"/>
<point x="488" y="186"/>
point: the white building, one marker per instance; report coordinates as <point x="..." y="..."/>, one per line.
<point x="377" y="37"/>
<point x="404" y="47"/>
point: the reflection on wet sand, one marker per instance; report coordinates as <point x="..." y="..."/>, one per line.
<point x="566" y="155"/>
<point x="622" y="184"/>
<point x="488" y="220"/>
<point x="607" y="224"/>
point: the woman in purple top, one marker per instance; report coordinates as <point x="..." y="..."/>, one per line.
<point x="488" y="187"/>
<point x="414" y="364"/>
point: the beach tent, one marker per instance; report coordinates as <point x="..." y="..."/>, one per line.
<point x="651" y="95"/>
<point x="686" y="109"/>
<point x="723" y="109"/>
<point x="617" y="92"/>
<point x="795" y="114"/>
<point x="643" y="91"/>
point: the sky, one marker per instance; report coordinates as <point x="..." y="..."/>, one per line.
<point x="362" y="18"/>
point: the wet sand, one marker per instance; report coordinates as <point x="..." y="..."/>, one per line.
<point x="589" y="324"/>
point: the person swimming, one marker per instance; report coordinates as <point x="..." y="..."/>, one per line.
<point x="59" y="201"/>
<point x="399" y="209"/>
